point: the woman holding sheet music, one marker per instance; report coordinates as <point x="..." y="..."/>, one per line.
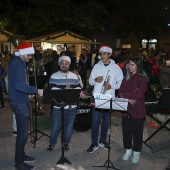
<point x="133" y="88"/>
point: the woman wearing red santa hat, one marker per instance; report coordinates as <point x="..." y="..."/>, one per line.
<point x="19" y="92"/>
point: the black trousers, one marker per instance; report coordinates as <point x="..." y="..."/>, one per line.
<point x="132" y="130"/>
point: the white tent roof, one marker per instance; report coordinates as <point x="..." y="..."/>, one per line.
<point x="62" y="38"/>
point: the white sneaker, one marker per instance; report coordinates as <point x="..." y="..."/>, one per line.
<point x="136" y="156"/>
<point x="127" y="154"/>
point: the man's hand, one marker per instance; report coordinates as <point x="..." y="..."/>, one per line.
<point x="31" y="96"/>
<point x="40" y="92"/>
<point x="99" y="79"/>
<point x="108" y="86"/>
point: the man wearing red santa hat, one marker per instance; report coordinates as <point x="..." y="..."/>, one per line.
<point x="105" y="70"/>
<point x="19" y="91"/>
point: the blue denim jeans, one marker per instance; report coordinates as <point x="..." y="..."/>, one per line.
<point x="69" y="117"/>
<point x="21" y="112"/>
<point x="97" y="114"/>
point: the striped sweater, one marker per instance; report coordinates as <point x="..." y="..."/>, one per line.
<point x="60" y="80"/>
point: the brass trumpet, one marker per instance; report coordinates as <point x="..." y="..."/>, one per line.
<point x="67" y="83"/>
<point x="106" y="81"/>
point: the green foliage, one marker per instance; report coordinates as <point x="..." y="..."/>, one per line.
<point x="146" y="18"/>
<point x="38" y="17"/>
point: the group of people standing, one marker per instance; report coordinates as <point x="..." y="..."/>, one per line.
<point x="132" y="86"/>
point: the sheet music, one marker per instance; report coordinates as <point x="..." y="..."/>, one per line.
<point x="103" y="101"/>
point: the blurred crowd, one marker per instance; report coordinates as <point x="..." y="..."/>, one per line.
<point x="45" y="62"/>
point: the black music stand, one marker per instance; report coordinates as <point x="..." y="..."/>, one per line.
<point x="62" y="98"/>
<point x="108" y="162"/>
<point x="39" y="83"/>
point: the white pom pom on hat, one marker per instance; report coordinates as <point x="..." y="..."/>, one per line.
<point x="67" y="58"/>
<point x="105" y="48"/>
<point x="24" y="49"/>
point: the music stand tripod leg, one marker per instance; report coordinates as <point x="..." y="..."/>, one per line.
<point x="35" y="130"/>
<point x="108" y="162"/>
<point x="63" y="159"/>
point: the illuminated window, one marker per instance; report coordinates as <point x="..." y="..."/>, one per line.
<point x="126" y="45"/>
<point x="151" y="40"/>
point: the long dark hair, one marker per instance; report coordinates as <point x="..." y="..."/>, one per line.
<point x="139" y="64"/>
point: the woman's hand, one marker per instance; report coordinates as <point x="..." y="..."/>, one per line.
<point x="131" y="101"/>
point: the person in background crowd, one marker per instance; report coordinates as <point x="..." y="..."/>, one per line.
<point x="89" y="60"/>
<point x="62" y="53"/>
<point x="97" y="58"/>
<point x="133" y="88"/>
<point x="116" y="54"/>
<point x="122" y="64"/>
<point x="39" y="60"/>
<point x="94" y="53"/>
<point x="53" y="64"/>
<point x="76" y="71"/>
<point x="63" y="79"/>
<point x="5" y="61"/>
<point x="70" y="52"/>
<point x="2" y="74"/>
<point x="152" y="70"/>
<point x="83" y="64"/>
<point x="19" y="92"/>
<point x="105" y="67"/>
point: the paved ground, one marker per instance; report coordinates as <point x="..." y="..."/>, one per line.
<point x="77" y="155"/>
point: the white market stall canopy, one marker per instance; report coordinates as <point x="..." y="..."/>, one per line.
<point x="65" y="37"/>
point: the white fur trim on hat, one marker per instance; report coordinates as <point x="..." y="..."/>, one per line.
<point x="26" y="51"/>
<point x="67" y="58"/>
<point x="16" y="53"/>
<point x="105" y="49"/>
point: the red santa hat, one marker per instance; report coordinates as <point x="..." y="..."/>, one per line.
<point x="67" y="58"/>
<point x="105" y="48"/>
<point x="24" y="49"/>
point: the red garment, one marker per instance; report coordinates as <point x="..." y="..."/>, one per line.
<point x="127" y="89"/>
<point x="155" y="68"/>
<point x="121" y="65"/>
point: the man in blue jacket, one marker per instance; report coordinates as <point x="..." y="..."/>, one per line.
<point x="19" y="92"/>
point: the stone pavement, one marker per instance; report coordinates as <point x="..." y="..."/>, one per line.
<point x="77" y="155"/>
